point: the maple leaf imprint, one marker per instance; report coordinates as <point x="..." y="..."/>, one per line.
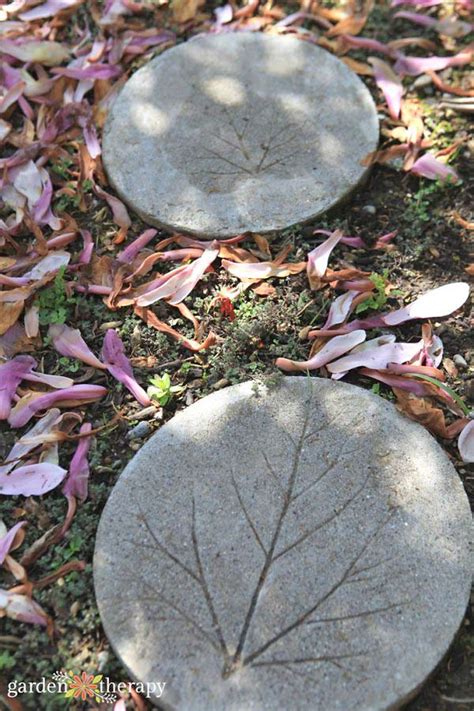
<point x="234" y="143"/>
<point x="233" y="654"/>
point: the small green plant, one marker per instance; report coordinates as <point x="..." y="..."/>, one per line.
<point x="161" y="389"/>
<point x="379" y="299"/>
<point x="62" y="167"/>
<point x="71" y="365"/>
<point x="7" y="661"/>
<point x="53" y="302"/>
<point x="72" y="202"/>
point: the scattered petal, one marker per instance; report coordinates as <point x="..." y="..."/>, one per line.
<point x="22" y="608"/>
<point x="10" y="541"/>
<point x="77" y="482"/>
<point x="378" y="357"/>
<point x="11" y="374"/>
<point x="389" y="83"/>
<point x="430" y="167"/>
<point x="332" y="349"/>
<point x="419" y="65"/>
<point x="466" y="443"/>
<point x="118" y="365"/>
<point x="436" y="303"/>
<point x="318" y="258"/>
<point x="31" y="479"/>
<point x="69" y="342"/>
<point x="174" y="287"/>
<point x="30" y="404"/>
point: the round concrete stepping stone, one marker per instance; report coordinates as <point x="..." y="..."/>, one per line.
<point x="235" y="132"/>
<point x="301" y="547"/>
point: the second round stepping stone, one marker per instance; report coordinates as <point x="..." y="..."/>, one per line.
<point x="303" y="546"/>
<point x="239" y="132"/>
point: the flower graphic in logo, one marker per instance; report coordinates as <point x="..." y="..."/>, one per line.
<point x="84" y="686"/>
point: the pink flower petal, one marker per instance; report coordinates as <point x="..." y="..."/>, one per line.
<point x="418" y="3"/>
<point x="119" y="211"/>
<point x="77" y="482"/>
<point x="224" y="14"/>
<point x="397" y="381"/>
<point x="93" y="71"/>
<point x="430" y="167"/>
<point x="54" y="381"/>
<point x="22" y="608"/>
<point x="51" y="263"/>
<point x="365" y="43"/>
<point x="31" y="480"/>
<point x="248" y="270"/>
<point x="389" y="83"/>
<point x="176" y="287"/>
<point x="418" y="65"/>
<point x="255" y="270"/>
<point x="8" y="539"/>
<point x="367" y="345"/>
<point x="27" y="443"/>
<point x="48" y="9"/>
<point x="86" y="254"/>
<point x="11" y="374"/>
<point x="332" y="349"/>
<point x="127" y="255"/>
<point x="119" y="366"/>
<point x="30" y="405"/>
<point x="12" y="95"/>
<point x="434" y="304"/>
<point x="69" y="342"/>
<point x="318" y="258"/>
<point x="340" y="309"/>
<point x="417" y="17"/>
<point x="433" y="351"/>
<point x="377" y="357"/>
<point x="466" y="443"/>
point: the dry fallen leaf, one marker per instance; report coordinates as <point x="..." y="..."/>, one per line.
<point x="423" y="411"/>
<point x="184" y="10"/>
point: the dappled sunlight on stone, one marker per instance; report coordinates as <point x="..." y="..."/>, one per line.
<point x="228" y="91"/>
<point x="149" y="119"/>
<point x="242" y="119"/>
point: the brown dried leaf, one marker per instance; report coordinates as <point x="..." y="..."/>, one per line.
<point x="423" y="411"/>
<point x="184" y="10"/>
<point x="347" y="26"/>
<point x="9" y="314"/>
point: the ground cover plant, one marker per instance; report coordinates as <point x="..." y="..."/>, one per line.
<point x="109" y="326"/>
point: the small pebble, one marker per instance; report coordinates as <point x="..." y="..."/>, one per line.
<point x="109" y="324"/>
<point x="369" y="209"/>
<point x="460" y="361"/>
<point x="422" y="81"/>
<point x="141" y="430"/>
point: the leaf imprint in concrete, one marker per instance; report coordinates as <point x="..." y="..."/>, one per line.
<point x="235" y="132"/>
<point x="299" y="547"/>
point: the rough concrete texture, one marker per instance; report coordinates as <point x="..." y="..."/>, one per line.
<point x="235" y="132"/>
<point x="303" y="547"/>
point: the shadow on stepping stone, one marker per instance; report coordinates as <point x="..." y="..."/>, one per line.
<point x="299" y="547"/>
<point x="239" y="132"/>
